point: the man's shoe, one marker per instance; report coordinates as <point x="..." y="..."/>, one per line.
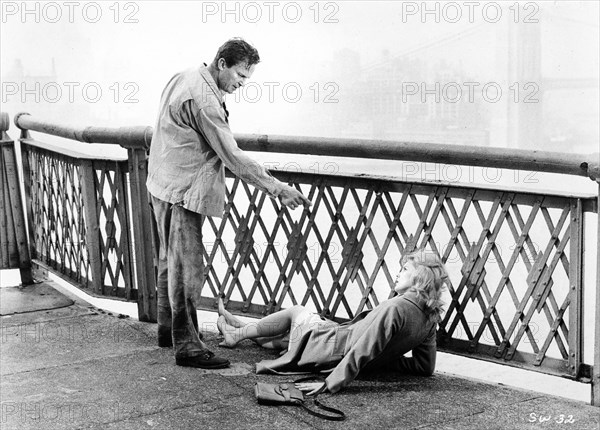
<point x="165" y="340"/>
<point x="206" y="360"/>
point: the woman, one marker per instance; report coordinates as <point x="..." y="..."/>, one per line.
<point x="374" y="339"/>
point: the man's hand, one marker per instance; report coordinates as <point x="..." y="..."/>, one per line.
<point x="293" y="198"/>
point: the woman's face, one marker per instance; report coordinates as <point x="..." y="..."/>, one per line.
<point x="405" y="277"/>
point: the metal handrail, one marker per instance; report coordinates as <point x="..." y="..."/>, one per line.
<point x="135" y="137"/>
<point x="587" y="165"/>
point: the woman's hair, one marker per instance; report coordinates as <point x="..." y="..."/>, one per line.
<point x="236" y="51"/>
<point x="428" y="280"/>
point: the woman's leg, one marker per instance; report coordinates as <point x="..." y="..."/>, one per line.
<point x="273" y="325"/>
<point x="231" y="319"/>
<point x="274" y="342"/>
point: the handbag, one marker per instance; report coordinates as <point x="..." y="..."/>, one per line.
<point x="286" y="393"/>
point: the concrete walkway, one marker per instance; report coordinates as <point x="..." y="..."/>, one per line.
<point x="67" y="365"/>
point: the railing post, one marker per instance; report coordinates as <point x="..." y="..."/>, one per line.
<point x="596" y="371"/>
<point x="38" y="271"/>
<point x="92" y="225"/>
<point x="142" y="231"/>
<point x="14" y="249"/>
<point x="576" y="288"/>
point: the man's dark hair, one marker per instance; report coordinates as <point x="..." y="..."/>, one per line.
<point x="235" y="51"/>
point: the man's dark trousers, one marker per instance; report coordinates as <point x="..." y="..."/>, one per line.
<point x="180" y="274"/>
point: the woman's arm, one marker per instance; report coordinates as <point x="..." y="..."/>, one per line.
<point x="312" y="388"/>
<point x="422" y="361"/>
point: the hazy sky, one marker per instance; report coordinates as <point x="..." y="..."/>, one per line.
<point x="128" y="51"/>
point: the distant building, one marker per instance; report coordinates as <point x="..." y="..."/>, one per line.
<point x="549" y="92"/>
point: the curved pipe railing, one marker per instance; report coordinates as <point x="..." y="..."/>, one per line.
<point x="518" y="159"/>
<point x="127" y="137"/>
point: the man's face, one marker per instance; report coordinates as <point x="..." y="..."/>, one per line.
<point x="232" y="78"/>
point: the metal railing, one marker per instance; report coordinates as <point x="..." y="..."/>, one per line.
<point x="515" y="257"/>
<point x="88" y="218"/>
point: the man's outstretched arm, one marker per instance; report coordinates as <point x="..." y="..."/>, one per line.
<point x="212" y="125"/>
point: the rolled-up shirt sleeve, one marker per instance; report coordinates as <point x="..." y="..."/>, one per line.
<point x="211" y="124"/>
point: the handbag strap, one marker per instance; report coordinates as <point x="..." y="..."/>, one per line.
<point x="338" y="415"/>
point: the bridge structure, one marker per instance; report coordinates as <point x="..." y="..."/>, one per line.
<point x="516" y="258"/>
<point x="515" y="64"/>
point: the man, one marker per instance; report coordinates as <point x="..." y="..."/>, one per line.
<point x="191" y="146"/>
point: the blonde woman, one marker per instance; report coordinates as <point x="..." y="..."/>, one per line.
<point x="374" y="339"/>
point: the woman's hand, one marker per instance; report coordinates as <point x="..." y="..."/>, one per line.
<point x="311" y="387"/>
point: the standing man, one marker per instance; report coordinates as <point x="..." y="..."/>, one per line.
<point x="191" y="146"/>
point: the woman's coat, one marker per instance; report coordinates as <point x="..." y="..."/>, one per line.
<point x="375" y="339"/>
